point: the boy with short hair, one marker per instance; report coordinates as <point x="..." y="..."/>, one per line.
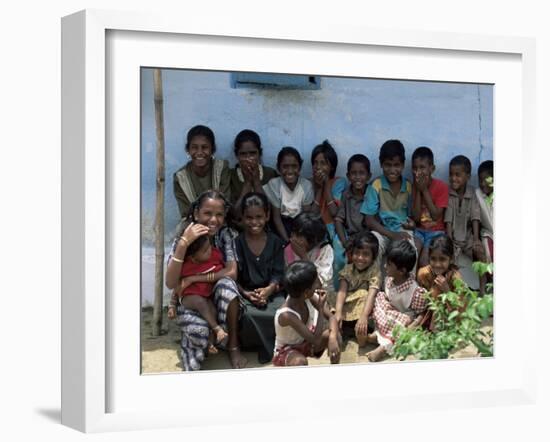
<point x="388" y="199"/>
<point x="349" y="220"/>
<point x="484" y="196"/>
<point x="462" y="217"/>
<point x="430" y="199"/>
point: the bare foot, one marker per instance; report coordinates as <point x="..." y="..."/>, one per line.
<point x="220" y="334"/>
<point x="371" y="338"/>
<point x="377" y="354"/>
<point x="236" y="358"/>
<point x="361" y="340"/>
<point x="212" y="350"/>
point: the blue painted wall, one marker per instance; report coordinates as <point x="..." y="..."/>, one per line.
<point x="355" y="115"/>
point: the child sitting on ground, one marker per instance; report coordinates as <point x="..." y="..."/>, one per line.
<point x="301" y="328"/>
<point x="430" y="198"/>
<point x="484" y="196"/>
<point x="401" y="303"/>
<point x="200" y="259"/>
<point x="388" y="199"/>
<point x="309" y="242"/>
<point x="440" y="275"/>
<point x="349" y="220"/>
<point x="462" y="217"/>
<point x="359" y="283"/>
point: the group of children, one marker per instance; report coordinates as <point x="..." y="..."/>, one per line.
<point x="362" y="258"/>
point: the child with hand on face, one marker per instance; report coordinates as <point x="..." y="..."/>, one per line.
<point x="328" y="189"/>
<point x="309" y="242"/>
<point x="402" y="302"/>
<point x="200" y="259"/>
<point x="304" y="326"/>
<point x="430" y="198"/>
<point x="440" y="275"/>
<point x="289" y="194"/>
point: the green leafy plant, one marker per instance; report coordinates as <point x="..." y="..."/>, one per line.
<point x="458" y="317"/>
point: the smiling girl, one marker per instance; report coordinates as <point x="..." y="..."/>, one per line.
<point x="261" y="269"/>
<point x="207" y="217"/>
<point x="202" y="171"/>
<point x="359" y="283"/>
<point x="289" y="194"/>
<point x="328" y="190"/>
<point x="440" y="275"/>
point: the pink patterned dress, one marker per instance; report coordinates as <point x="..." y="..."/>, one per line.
<point x="397" y="304"/>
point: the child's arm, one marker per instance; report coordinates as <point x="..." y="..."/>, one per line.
<point x="449" y="229"/>
<point x="332" y="202"/>
<point x="340" y="299"/>
<point x="374" y="224"/>
<point x="340" y="231"/>
<point x="477" y="246"/>
<point x="435" y="212"/>
<point x="318" y="195"/>
<point x="279" y="226"/>
<point x="334" y="337"/>
<point x="230" y="270"/>
<point x="362" y="322"/>
<point x="416" y="209"/>
<point x="265" y="292"/>
<point x="173" y="269"/>
<point x="173" y="304"/>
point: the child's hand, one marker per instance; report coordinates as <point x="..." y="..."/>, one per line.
<point x="421" y="182"/>
<point x="192" y="232"/>
<point x="409" y="224"/>
<point x="250" y="170"/>
<point x="361" y="327"/>
<point x="298" y="247"/>
<point x="442" y="284"/>
<point x="251" y="296"/>
<point x="171" y="312"/>
<point x="333" y="349"/>
<point x="396" y="236"/>
<point x="322" y="294"/>
<point x="479" y="251"/>
<point x="319" y="177"/>
<point x="184" y="283"/>
<point x="263" y="294"/>
<point x="338" y="316"/>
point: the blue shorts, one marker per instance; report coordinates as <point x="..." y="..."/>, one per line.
<point x="426" y="236"/>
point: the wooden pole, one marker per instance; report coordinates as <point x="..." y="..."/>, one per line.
<point x="159" y="212"/>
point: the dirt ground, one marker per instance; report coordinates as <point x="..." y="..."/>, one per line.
<point x="161" y="354"/>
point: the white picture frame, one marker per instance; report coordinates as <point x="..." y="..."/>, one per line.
<point x="91" y="316"/>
